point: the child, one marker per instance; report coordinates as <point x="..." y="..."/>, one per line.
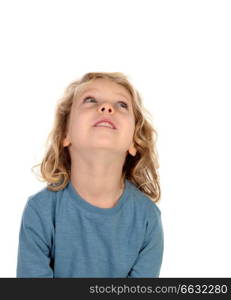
<point x="97" y="216"/>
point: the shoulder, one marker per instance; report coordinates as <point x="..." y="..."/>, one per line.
<point x="42" y="202"/>
<point x="39" y="214"/>
<point x="41" y="197"/>
<point x="143" y="203"/>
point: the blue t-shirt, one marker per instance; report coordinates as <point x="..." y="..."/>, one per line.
<point x="63" y="235"/>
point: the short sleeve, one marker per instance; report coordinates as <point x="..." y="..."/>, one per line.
<point x="149" y="260"/>
<point x="34" y="249"/>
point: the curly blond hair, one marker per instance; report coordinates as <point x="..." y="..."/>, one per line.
<point x="140" y="169"/>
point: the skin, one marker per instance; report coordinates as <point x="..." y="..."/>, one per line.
<point x="98" y="153"/>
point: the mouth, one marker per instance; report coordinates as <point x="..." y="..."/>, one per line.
<point x="101" y="126"/>
<point x="105" y="122"/>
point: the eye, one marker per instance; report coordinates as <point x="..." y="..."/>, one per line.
<point x="126" y="106"/>
<point x="88" y="98"/>
<point x="121" y="102"/>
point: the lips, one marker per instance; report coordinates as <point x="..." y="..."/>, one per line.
<point x="105" y="120"/>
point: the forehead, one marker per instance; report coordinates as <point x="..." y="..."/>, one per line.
<point x="105" y="86"/>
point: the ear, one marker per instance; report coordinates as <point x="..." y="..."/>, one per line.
<point x="66" y="142"/>
<point x="132" y="150"/>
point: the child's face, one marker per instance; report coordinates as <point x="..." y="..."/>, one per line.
<point x="102" y="98"/>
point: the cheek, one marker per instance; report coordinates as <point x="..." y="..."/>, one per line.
<point x="127" y="131"/>
<point x="131" y="125"/>
<point x="80" y="125"/>
<point x="131" y="131"/>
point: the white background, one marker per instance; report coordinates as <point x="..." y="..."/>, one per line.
<point x="177" y="54"/>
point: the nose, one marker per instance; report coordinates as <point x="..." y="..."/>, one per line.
<point x="106" y="107"/>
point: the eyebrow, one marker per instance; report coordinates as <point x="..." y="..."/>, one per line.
<point x="95" y="89"/>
